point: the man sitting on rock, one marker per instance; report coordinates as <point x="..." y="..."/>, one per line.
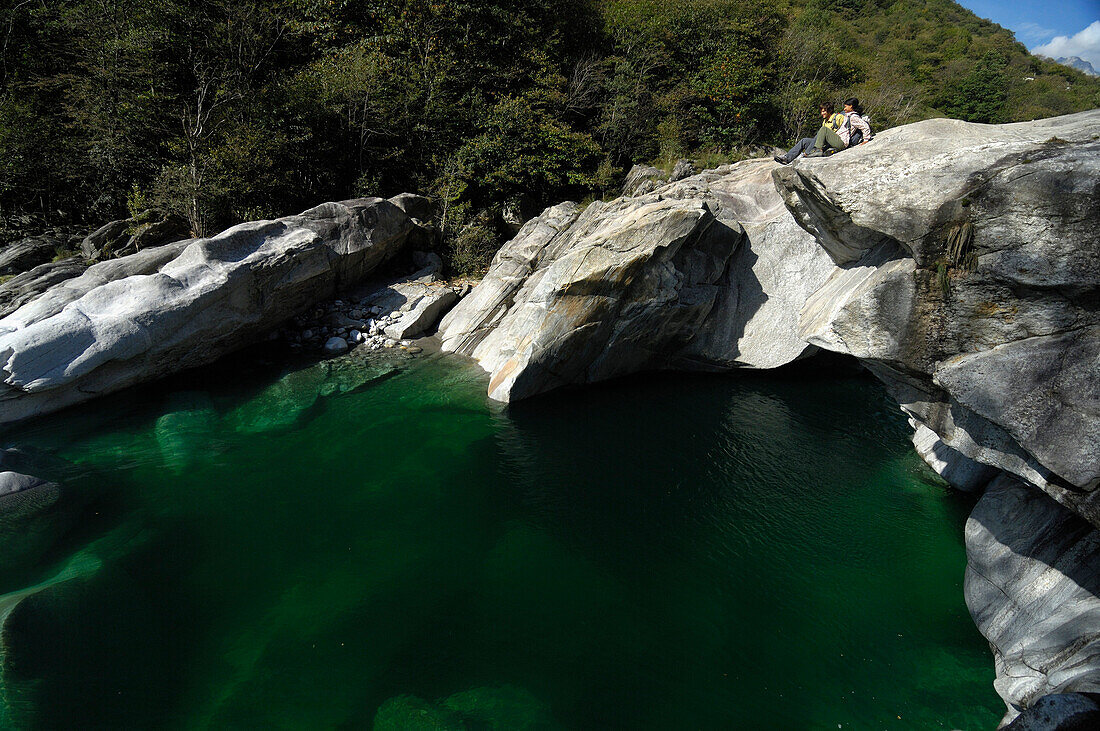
<point x="854" y="131"/>
<point x="829" y="120"/>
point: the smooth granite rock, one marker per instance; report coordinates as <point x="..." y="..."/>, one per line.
<point x="970" y="263"/>
<point x="422" y="304"/>
<point x="22" y="288"/>
<point x="911" y="181"/>
<point x="959" y="471"/>
<point x="777" y="267"/>
<point x="170" y="308"/>
<point x="767" y="276"/>
<point x="1033" y="588"/>
<point x="1045" y="390"/>
<point x="540" y="239"/>
<point x="614" y="291"/>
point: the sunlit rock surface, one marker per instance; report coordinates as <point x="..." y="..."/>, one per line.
<point x="582" y="298"/>
<point x="169" y="308"/>
<point x="970" y="269"/>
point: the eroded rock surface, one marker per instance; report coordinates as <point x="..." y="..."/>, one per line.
<point x="755" y="285"/>
<point x="769" y="278"/>
<point x="969" y="274"/>
<point x="582" y="297"/>
<point x="173" y="307"/>
<point x="1033" y="587"/>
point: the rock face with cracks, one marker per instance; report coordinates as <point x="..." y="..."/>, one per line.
<point x="701" y="300"/>
<point x="169" y="308"/>
<point x="579" y="297"/>
<point x="969" y="278"/>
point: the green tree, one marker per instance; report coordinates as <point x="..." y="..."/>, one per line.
<point x="983" y="94"/>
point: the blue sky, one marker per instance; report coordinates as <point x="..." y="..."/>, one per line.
<point x="1050" y="27"/>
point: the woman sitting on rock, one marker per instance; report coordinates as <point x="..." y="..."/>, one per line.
<point x="834" y="121"/>
<point x="841" y="138"/>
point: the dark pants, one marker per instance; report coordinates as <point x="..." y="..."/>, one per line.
<point x="804" y="145"/>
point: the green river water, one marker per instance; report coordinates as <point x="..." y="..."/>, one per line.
<point x="374" y="543"/>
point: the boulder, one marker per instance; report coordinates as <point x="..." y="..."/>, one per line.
<point x="643" y="179"/>
<point x="424" y="305"/>
<point x="149" y="228"/>
<point x="581" y="298"/>
<point x="1033" y="589"/>
<point x="108" y="235"/>
<point x="22" y="288"/>
<point x="157" y="233"/>
<point x="12" y="483"/>
<point x="414" y="304"/>
<point x="25" y="254"/>
<point x="416" y="206"/>
<point x="170" y="308"/>
<point x="335" y="346"/>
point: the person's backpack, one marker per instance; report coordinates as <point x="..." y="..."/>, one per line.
<point x="855" y="136"/>
<point x="836" y="121"/>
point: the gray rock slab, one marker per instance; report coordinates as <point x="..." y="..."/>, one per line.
<point x="424" y="305"/>
<point x="13" y="482"/>
<point x="22" y="288"/>
<point x="112" y="327"/>
<point x="539" y="240"/>
<point x="1045" y="391"/>
<point x="108" y="233"/>
<point x="618" y="290"/>
<point x="25" y="254"/>
<point x="959" y="471"/>
<point x="1032" y="586"/>
<point x="773" y="272"/>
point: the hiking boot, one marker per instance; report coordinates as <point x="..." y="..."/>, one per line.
<point x="781" y="160"/>
<point x="815" y="153"/>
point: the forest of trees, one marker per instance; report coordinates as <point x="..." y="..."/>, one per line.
<point x="228" y="110"/>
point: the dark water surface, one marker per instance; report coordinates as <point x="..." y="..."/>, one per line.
<point x="335" y="550"/>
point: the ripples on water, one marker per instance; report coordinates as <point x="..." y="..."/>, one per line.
<point x="379" y="544"/>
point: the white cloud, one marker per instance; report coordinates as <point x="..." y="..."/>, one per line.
<point x="1085" y="44"/>
<point x="1033" y="32"/>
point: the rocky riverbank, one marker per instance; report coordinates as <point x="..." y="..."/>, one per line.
<point x="172" y="307"/>
<point x="957" y="262"/>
